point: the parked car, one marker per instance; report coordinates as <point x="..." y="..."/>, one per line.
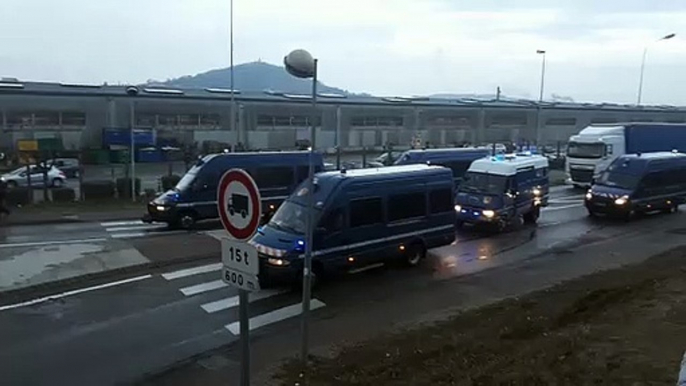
<point x="19" y="177"/>
<point x="70" y="166"/>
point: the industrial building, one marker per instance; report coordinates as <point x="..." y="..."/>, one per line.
<point x="76" y="116"/>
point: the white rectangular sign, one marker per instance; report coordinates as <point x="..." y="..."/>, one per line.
<point x="240" y="256"/>
<point x="240" y="280"/>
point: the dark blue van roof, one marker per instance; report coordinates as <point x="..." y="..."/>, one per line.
<point x="326" y="182"/>
<point x="638" y="164"/>
<point x="267" y="157"/>
<point x="438" y="155"/>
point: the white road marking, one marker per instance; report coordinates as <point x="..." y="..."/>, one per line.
<point x="131" y="235"/>
<point x="204" y="287"/>
<point x="136" y="228"/>
<point x="231" y="302"/>
<point x="55" y="242"/>
<point x="550" y="209"/>
<point x="74" y="292"/>
<point x="274" y="316"/>
<point x="192" y="271"/>
<point x="122" y="223"/>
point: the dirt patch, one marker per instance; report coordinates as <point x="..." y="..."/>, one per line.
<point x="621" y="327"/>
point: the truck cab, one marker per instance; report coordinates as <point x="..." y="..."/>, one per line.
<point x="503" y="190"/>
<point x="592" y="151"/>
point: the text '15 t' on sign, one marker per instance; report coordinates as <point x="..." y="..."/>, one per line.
<point x="241" y="266"/>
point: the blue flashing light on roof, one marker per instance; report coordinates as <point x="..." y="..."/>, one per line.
<point x="498" y="157"/>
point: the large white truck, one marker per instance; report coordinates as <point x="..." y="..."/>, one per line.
<point x="591" y="151"/>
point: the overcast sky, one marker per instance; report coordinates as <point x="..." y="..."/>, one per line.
<point x="384" y="47"/>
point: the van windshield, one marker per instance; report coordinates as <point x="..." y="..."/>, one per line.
<point x="586" y="150"/>
<point x="619" y="180"/>
<point x="483" y="183"/>
<point x="290" y="217"/>
<point x="187" y="180"/>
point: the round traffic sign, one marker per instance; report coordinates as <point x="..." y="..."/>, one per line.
<point x="239" y="204"/>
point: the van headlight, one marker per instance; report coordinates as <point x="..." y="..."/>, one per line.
<point x="161" y="208"/>
<point x="589" y="195"/>
<point x="536" y="191"/>
<point x="458" y="208"/>
<point x="488" y="213"/>
<point x="622" y="200"/>
<point x="278" y="262"/>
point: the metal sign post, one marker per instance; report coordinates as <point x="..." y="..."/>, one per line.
<point x="240" y="205"/>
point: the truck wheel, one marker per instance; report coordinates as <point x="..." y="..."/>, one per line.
<point x="415" y="254"/>
<point x="231" y="211"/>
<point x="244" y="214"/>
<point x="532" y="216"/>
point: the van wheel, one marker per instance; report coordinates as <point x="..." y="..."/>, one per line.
<point x="532" y="216"/>
<point x="57" y="183"/>
<point x="187" y="220"/>
<point x="630" y="215"/>
<point x="671" y="209"/>
<point x="415" y="254"/>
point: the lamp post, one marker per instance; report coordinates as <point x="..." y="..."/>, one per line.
<point x="132" y="91"/>
<point x="233" y="91"/>
<point x="540" y="95"/>
<point x="301" y="64"/>
<point x="643" y="65"/>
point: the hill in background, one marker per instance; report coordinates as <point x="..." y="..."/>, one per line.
<point x="255" y="76"/>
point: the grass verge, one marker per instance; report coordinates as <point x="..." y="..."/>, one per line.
<point x="621" y="327"/>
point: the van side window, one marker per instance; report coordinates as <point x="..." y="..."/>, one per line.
<point x="333" y="221"/>
<point x="274" y="176"/>
<point x="540" y="173"/>
<point x="441" y="201"/>
<point x="405" y="206"/>
<point x="365" y="211"/>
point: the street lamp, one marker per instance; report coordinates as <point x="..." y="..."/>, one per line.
<point x="643" y="65"/>
<point x="540" y="95"/>
<point x="301" y="64"/>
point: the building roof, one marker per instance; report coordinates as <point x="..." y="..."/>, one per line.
<point x="17" y="87"/>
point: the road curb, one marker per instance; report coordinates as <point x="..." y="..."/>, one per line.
<point x="48" y="288"/>
<point x="67" y="219"/>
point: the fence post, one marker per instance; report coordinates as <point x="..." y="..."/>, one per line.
<point x="682" y="373"/>
<point x="28" y="183"/>
<point x="81" y="169"/>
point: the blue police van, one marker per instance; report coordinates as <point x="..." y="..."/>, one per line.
<point x="362" y="217"/>
<point x="195" y="196"/>
<point x="639" y="183"/>
<point x="455" y="159"/>
<point x="503" y="191"/>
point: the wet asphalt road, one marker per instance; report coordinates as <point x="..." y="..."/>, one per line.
<point x="118" y="334"/>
